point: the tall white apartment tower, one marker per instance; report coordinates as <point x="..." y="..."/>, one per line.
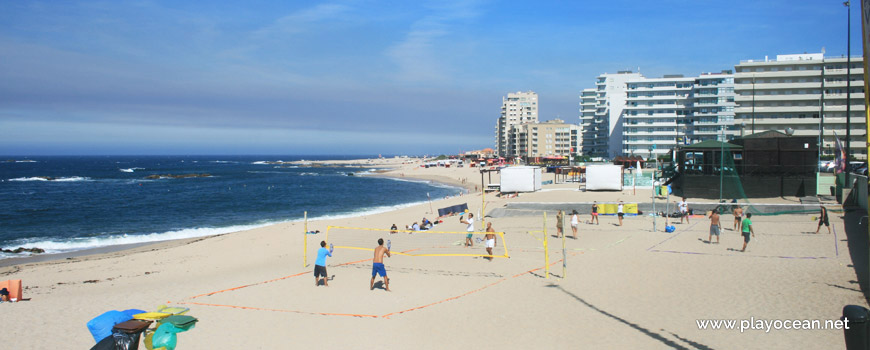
<point x="803" y="93"/>
<point x="517" y="108"/>
<point x="712" y="115"/>
<point x="655" y="114"/>
<point x="602" y="132"/>
<point x="589" y="144"/>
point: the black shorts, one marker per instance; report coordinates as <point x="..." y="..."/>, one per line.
<point x="825" y="222"/>
<point x="319" y="271"/>
<point x="746" y="237"/>
<point x="620" y="214"/>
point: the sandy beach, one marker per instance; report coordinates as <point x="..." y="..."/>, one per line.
<point x="623" y="286"/>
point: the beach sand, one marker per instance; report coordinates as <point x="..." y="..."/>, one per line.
<point x="623" y="286"/>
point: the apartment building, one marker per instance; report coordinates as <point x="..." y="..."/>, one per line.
<point x="712" y="113"/>
<point x="655" y="114"/>
<point x="805" y="94"/>
<point x="545" y="139"/>
<point x="591" y="142"/>
<point x="517" y="108"/>
<point x="602" y="122"/>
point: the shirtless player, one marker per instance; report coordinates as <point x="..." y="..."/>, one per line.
<point x="378" y="265"/>
<point x="490" y="239"/>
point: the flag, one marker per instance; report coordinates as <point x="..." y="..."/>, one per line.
<point x="839" y="156"/>
<point x="639" y="170"/>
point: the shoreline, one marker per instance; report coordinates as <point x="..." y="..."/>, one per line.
<point x="130" y="248"/>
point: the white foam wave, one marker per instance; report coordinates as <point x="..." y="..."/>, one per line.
<point x="130" y="170"/>
<point x="224" y="162"/>
<point x="59" y="179"/>
<point x="25" y="161"/>
<point x="63" y="246"/>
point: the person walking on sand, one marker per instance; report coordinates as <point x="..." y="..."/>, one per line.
<point x="714" y="226"/>
<point x="747" y="229"/>
<point x="560" y="217"/>
<point x="738" y="217"/>
<point x="575" y="220"/>
<point x="594" y="214"/>
<point x="320" y="265"/>
<point x="823" y="219"/>
<point x="378" y="265"/>
<point x="469" y="229"/>
<point x="684" y="210"/>
<point x="620" y="212"/>
<point x="490" y="240"/>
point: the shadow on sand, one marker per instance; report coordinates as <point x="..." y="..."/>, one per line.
<point x="647" y="332"/>
<point x="857" y="238"/>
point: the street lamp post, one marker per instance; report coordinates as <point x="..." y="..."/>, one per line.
<point x="848" y="85"/>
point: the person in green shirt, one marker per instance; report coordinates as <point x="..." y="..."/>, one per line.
<point x="747" y="229"/>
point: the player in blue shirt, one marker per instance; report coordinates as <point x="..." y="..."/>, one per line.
<point x="320" y="264"/>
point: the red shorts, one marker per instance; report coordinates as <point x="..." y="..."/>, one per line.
<point x="594" y="214"/>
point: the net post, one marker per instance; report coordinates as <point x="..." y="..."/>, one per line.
<point x="564" y="251"/>
<point x="546" y="249"/>
<point x="504" y="244"/>
<point x="305" y="240"/>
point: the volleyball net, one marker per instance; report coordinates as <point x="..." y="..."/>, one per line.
<point x="418" y="243"/>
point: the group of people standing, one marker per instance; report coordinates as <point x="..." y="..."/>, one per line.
<point x="740" y="223"/>
<point x="575" y="218"/>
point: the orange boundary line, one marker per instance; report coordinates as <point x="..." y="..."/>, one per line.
<point x="387" y="316"/>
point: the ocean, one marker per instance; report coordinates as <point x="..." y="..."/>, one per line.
<point x="64" y="204"/>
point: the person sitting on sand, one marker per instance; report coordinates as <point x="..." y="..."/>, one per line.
<point x="4" y="295"/>
<point x="378" y="265"/>
<point x="469" y="229"/>
<point x="320" y="264"/>
<point x="394" y="229"/>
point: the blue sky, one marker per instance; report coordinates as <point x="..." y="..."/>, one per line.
<point x="352" y="77"/>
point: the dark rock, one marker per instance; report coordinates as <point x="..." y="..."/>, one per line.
<point x="20" y="250"/>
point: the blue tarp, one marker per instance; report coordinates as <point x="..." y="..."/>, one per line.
<point x="101" y="326"/>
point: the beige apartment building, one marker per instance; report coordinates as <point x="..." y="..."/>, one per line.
<point x="553" y="138"/>
<point x="805" y="94"/>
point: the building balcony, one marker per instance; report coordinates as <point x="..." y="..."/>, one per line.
<point x="768" y="98"/>
<point x="656" y="98"/>
<point x="651" y="133"/>
<point x="655" y="106"/>
<point x="780" y="74"/>
<point x="775" y="86"/>
<point x="780" y="109"/>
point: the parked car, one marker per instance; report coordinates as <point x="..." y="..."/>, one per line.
<point x="826" y="166"/>
<point x="856" y="167"/>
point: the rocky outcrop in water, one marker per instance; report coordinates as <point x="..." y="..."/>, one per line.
<point x="23" y="250"/>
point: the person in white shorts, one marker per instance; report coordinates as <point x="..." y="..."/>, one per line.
<point x="490" y="240"/>
<point x="575" y="220"/>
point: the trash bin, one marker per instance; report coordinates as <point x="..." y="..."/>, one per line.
<point x="856" y="334"/>
<point x="126" y="334"/>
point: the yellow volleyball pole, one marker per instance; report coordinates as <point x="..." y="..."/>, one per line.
<point x="305" y="242"/>
<point x="564" y="251"/>
<point x="546" y="249"/>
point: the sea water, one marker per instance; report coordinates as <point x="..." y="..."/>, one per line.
<point x="64" y="204"/>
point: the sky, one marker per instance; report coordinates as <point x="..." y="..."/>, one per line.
<point x="353" y="77"/>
